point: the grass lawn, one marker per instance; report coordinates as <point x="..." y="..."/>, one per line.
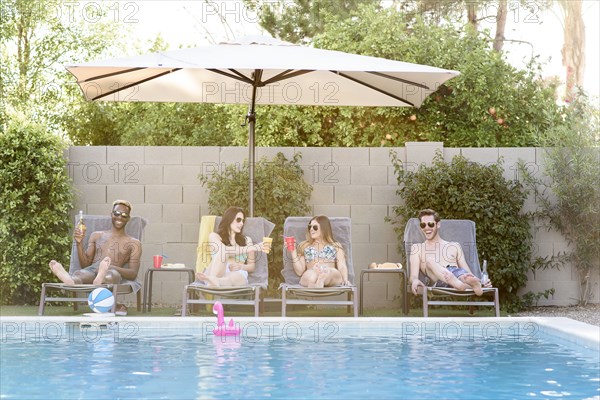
<point x="298" y="311"/>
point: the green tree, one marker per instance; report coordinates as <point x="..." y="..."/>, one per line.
<point x="35" y="198"/>
<point x="568" y="190"/>
<point x="156" y="124"/>
<point x="299" y="20"/>
<point x="490" y="104"/>
<point x="37" y="38"/>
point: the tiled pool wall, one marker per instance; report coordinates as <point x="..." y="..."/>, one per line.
<point x="48" y="329"/>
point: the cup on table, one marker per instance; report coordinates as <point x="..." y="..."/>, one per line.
<point x="268" y="240"/>
<point x="158" y="261"/>
<point x="290" y="242"/>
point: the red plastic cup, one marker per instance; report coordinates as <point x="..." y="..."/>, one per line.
<point x="158" y="261"/>
<point x="290" y="242"/>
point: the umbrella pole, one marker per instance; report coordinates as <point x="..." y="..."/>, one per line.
<point x="251" y="118"/>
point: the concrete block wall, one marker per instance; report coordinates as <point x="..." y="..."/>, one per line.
<point x="162" y="184"/>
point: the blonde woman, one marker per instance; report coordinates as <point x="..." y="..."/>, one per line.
<point x="320" y="261"/>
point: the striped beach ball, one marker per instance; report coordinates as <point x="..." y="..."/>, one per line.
<point x="101" y="300"/>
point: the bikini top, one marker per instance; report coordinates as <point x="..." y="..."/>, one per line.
<point x="328" y="253"/>
<point x="238" y="257"/>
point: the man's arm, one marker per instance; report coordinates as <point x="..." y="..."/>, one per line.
<point x="460" y="258"/>
<point x="415" y="265"/>
<point x="462" y="262"/>
<point x="85" y="256"/>
<point x="133" y="252"/>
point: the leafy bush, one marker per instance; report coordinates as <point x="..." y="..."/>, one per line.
<point x="35" y="198"/>
<point x="467" y="190"/>
<point x="568" y="190"/>
<point x="279" y="192"/>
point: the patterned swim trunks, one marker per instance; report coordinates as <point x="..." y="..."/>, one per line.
<point x="456" y="271"/>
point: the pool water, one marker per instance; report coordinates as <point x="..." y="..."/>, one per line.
<point x="175" y="364"/>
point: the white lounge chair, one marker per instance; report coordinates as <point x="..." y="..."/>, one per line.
<point x="135" y="227"/>
<point x="297" y="226"/>
<point x="454" y="230"/>
<point x="256" y="228"/>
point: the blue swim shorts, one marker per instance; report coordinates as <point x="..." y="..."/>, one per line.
<point x="457" y="271"/>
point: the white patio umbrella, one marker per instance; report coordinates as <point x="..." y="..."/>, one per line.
<point x="260" y="70"/>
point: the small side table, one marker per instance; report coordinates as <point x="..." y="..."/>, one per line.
<point x="148" y="283"/>
<point x="402" y="273"/>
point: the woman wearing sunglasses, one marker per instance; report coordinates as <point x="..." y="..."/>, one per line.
<point x="233" y="253"/>
<point x="443" y="262"/>
<point x="320" y="261"/>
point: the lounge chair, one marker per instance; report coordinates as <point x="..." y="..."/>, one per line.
<point x="296" y="226"/>
<point x="256" y="228"/>
<point x="455" y="230"/>
<point x="93" y="223"/>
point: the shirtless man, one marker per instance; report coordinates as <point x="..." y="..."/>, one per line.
<point x="443" y="262"/>
<point x="106" y="254"/>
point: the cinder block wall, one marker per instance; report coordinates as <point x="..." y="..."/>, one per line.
<point x="162" y="183"/>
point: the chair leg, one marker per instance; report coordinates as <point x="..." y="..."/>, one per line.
<point x="496" y="303"/>
<point x="256" y="301"/>
<point x="42" y="300"/>
<point x="184" y="302"/>
<point x="425" y="303"/>
<point x="76" y="304"/>
<point x="283" y="302"/>
<point x="115" y="294"/>
<point x="139" y="300"/>
<point x="355" y="301"/>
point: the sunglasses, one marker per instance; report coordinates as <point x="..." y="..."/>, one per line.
<point x="239" y="219"/>
<point x="314" y="227"/>
<point x="429" y="224"/>
<point x="120" y="214"/>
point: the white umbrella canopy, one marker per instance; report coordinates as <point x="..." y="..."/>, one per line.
<point x="260" y="70"/>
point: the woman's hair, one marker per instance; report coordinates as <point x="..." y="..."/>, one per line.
<point x="326" y="232"/>
<point x="226" y="220"/>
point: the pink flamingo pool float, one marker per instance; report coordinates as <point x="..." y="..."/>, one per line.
<point x="221" y="329"/>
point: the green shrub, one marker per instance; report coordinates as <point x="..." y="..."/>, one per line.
<point x="467" y="190"/>
<point x="279" y="192"/>
<point x="35" y="198"/>
<point x="568" y="191"/>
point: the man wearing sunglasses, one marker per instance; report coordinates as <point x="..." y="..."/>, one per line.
<point x="443" y="262"/>
<point x="106" y="254"/>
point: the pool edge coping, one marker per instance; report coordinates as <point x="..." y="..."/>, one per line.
<point x="566" y="329"/>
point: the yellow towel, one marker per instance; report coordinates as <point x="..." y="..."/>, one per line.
<point x="203" y="256"/>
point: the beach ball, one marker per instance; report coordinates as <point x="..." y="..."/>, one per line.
<point x="101" y="300"/>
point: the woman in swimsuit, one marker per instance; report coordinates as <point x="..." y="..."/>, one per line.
<point x="320" y="261"/>
<point x="233" y="254"/>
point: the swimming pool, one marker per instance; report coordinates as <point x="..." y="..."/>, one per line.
<point x="299" y="358"/>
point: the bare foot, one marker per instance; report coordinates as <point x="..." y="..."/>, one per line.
<point x="58" y="270"/>
<point x="322" y="277"/>
<point x="207" y="278"/>
<point x="102" y="270"/>
<point x="474" y="283"/>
